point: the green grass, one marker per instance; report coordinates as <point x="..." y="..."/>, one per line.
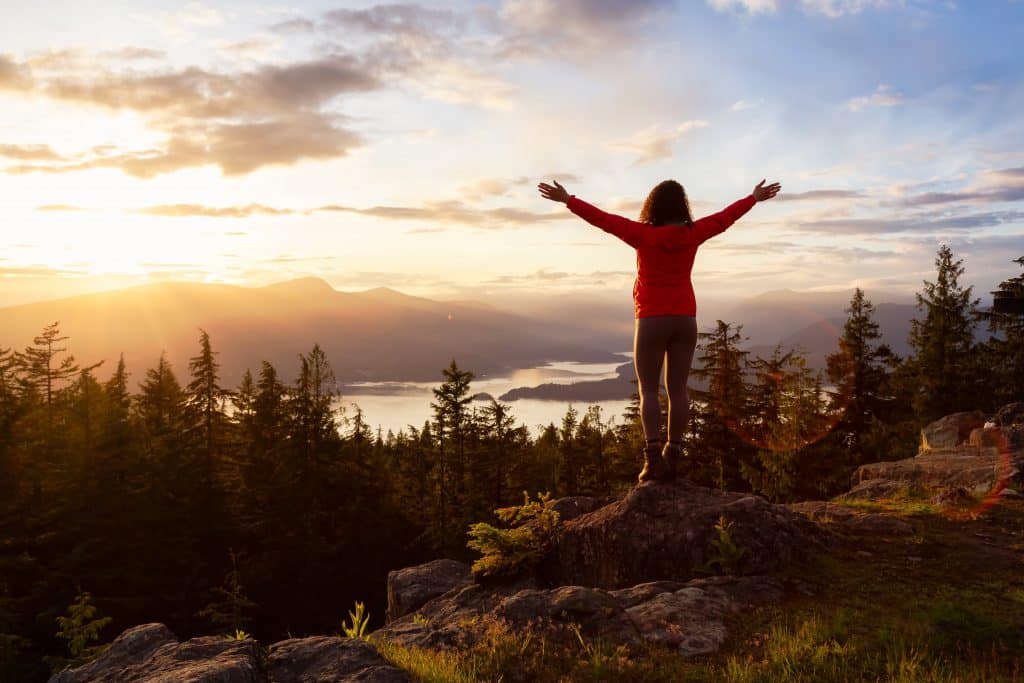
<point x="954" y="614"/>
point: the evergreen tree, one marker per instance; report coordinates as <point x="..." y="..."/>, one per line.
<point x="569" y="470"/>
<point x="943" y="342"/>
<point x="452" y="399"/>
<point x="720" y="411"/>
<point x="858" y="373"/>
<point x="1003" y="354"/>
<point x="41" y="368"/>
<point x="788" y="415"/>
<point x="204" y="411"/>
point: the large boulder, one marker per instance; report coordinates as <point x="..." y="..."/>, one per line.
<point x="1010" y="415"/>
<point x="977" y="469"/>
<point x="690" y="617"/>
<point x="951" y="430"/>
<point x="664" y="532"/>
<point x="411" y="587"/>
<point x="324" y="659"/>
<point x="151" y="653"/>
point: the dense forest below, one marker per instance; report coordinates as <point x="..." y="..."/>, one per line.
<point x="260" y="507"/>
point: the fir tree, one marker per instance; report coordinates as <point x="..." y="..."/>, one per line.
<point x="943" y="342"/>
<point x="858" y="373"/>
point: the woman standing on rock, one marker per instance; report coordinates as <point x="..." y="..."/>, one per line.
<point x="666" y="240"/>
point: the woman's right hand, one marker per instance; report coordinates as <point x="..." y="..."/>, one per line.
<point x="557" y="193"/>
<point x="761" y="193"/>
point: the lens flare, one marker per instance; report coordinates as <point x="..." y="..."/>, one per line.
<point x="799" y="411"/>
<point x="1004" y="471"/>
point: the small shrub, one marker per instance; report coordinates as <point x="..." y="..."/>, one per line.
<point x="419" y="619"/>
<point x="727" y="555"/>
<point x="507" y="552"/>
<point x="239" y="634"/>
<point x="360" y="619"/>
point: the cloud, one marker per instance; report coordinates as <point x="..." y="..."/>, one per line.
<point x="654" y="143"/>
<point x="741" y="105"/>
<point x="298" y="25"/>
<point x="397" y="19"/>
<point x="925" y="224"/>
<point x="452" y="212"/>
<point x="277" y="114"/>
<point x="29" y="152"/>
<point x="14" y="76"/>
<point x="819" y="195"/>
<point x="180" y="210"/>
<point x="548" y="276"/>
<point x="59" y="207"/>
<point x="829" y="8"/>
<point x="575" y="28"/>
<point x="749" y="6"/>
<point x="882" y="97"/>
<point x="999" y="185"/>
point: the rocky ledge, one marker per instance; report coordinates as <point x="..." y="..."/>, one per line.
<point x="151" y="653"/>
<point x="977" y="453"/>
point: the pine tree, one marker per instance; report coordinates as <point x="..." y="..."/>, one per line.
<point x="41" y="368"/>
<point x="788" y="416"/>
<point x="720" y="411"/>
<point x="1004" y="352"/>
<point x="204" y="410"/>
<point x="943" y="342"/>
<point x="452" y="399"/>
<point x="858" y="373"/>
<point x="569" y="462"/>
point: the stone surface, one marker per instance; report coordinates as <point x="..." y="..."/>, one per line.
<point x="874" y="489"/>
<point x="1012" y="414"/>
<point x="690" y="617"/>
<point x="853" y="521"/>
<point x="987" y="437"/>
<point x="411" y="587"/>
<point x="953" y="497"/>
<point x="664" y="532"/>
<point x="327" y="659"/>
<point x="151" y="653"/>
<point x="951" y="430"/>
<point x="974" y="468"/>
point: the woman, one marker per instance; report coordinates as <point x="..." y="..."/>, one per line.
<point x="666" y="240"/>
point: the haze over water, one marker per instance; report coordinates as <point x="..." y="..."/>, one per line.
<point x="396" y="405"/>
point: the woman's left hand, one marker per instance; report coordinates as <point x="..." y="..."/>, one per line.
<point x="557" y="193"/>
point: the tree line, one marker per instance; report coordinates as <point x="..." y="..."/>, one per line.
<point x="264" y="507"/>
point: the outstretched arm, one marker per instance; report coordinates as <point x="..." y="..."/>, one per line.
<point x="709" y="226"/>
<point x="631" y="232"/>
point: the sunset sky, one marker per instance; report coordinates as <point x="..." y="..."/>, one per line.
<point x="400" y="144"/>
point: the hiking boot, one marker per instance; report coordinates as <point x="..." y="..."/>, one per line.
<point x="670" y="455"/>
<point x="654" y="467"/>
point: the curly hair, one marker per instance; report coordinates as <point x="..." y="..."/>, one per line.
<point x="666" y="203"/>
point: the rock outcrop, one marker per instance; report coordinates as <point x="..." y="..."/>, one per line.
<point x="951" y="430"/>
<point x="659" y="532"/>
<point x="963" y="451"/>
<point x="624" y="570"/>
<point x="150" y="653"/>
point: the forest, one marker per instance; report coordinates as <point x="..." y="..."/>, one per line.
<point x="161" y="495"/>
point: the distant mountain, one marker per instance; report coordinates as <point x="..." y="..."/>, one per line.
<point x="379" y="334"/>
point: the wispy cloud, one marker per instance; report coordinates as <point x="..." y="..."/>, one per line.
<point x="829" y="8"/>
<point x="655" y="143"/>
<point x="180" y="210"/>
<point x="911" y="224"/>
<point x="884" y="96"/>
<point x="819" y="195"/>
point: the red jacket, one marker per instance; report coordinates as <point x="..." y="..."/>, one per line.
<point x="664" y="254"/>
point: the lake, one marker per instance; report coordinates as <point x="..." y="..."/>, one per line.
<point x="395" y="405"/>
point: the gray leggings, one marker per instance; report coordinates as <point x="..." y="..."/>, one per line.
<point x="669" y="338"/>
